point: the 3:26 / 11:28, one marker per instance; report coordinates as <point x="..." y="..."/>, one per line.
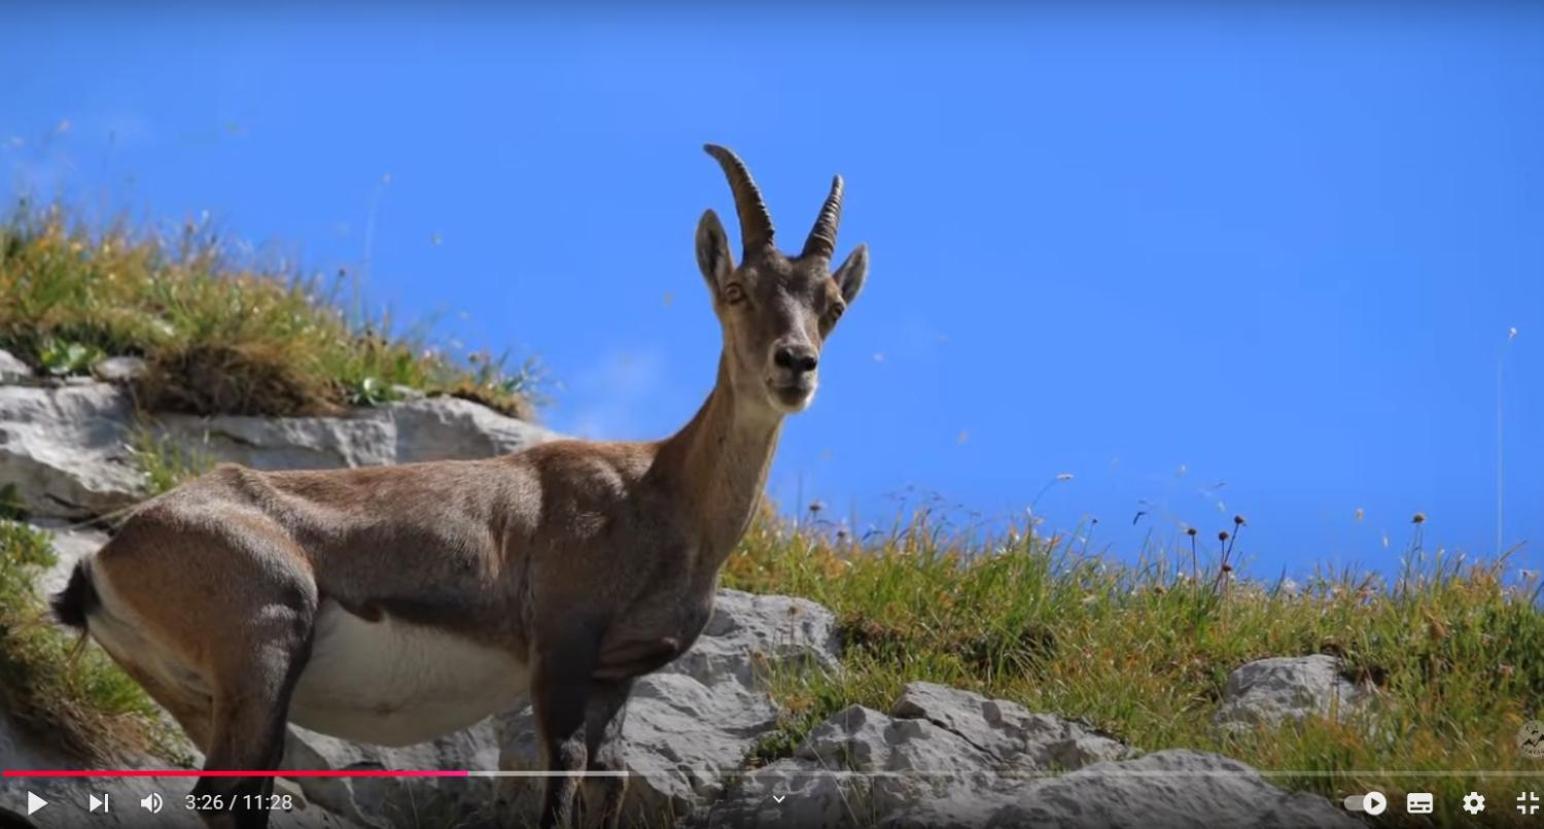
<point x="237" y="802"/>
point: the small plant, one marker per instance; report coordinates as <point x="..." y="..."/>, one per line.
<point x="370" y="391"/>
<point x="63" y="358"/>
<point x="11" y="508"/>
<point x="165" y="462"/>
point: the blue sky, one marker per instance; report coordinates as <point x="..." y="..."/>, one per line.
<point x="1276" y="250"/>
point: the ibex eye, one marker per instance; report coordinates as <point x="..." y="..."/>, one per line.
<point x="734" y="294"/>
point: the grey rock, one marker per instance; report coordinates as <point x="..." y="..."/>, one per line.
<point x="1176" y="788"/>
<point x="437" y="428"/>
<point x="1006" y="731"/>
<point x="71" y="544"/>
<point x="1268" y="691"/>
<point x="67" y="448"/>
<point x="957" y="759"/>
<point x="119" y="369"/>
<point x="389" y="802"/>
<point x="13" y="370"/>
<point x="695" y="720"/>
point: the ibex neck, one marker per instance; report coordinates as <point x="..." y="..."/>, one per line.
<point x="718" y="464"/>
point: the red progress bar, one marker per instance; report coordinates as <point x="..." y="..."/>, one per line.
<point x="231" y="773"/>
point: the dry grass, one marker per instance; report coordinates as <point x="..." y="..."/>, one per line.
<point x="218" y="337"/>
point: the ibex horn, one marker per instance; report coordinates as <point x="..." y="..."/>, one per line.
<point x="822" y="239"/>
<point x="755" y="221"/>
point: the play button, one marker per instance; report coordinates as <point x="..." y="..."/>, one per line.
<point x="1373" y="803"/>
<point x="34" y="803"/>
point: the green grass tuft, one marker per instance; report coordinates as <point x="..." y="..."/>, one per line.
<point x="218" y="337"/>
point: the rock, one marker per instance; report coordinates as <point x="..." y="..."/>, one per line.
<point x="1007" y="732"/>
<point x="945" y="757"/>
<point x="437" y="428"/>
<point x="386" y="802"/>
<point x="70" y="545"/>
<point x="67" y="448"/>
<point x="13" y="370"/>
<point x="695" y="720"/>
<point x="1267" y="691"/>
<point x="119" y="369"/>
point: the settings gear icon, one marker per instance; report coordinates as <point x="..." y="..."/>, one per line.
<point x="1474" y="803"/>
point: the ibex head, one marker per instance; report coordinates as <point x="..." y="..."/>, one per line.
<point x="776" y="310"/>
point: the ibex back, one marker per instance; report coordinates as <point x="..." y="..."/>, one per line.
<point x="394" y="604"/>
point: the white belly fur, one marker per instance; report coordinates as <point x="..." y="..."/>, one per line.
<point x="394" y="683"/>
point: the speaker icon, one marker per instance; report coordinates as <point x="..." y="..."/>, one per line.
<point x="151" y="802"/>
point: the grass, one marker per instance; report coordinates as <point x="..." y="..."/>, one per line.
<point x="1143" y="651"/>
<point x="218" y="337"/>
<point x="165" y="462"/>
<point x="51" y="685"/>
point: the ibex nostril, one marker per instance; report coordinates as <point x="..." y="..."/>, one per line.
<point x="795" y="359"/>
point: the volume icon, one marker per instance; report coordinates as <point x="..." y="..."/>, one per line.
<point x="151" y="802"/>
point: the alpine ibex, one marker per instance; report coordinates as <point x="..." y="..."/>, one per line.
<point x="391" y="605"/>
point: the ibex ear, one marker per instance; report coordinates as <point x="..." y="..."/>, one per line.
<point x="713" y="251"/>
<point x="849" y="277"/>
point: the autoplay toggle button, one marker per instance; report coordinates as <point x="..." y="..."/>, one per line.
<point x="1372" y="803"/>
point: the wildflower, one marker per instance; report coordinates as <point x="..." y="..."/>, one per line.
<point x="1065" y="476"/>
<point x="816" y="507"/>
<point x="1227" y="568"/>
<point x="1238" y="520"/>
<point x="1222" y="536"/>
<point x="1190" y="531"/>
<point x="1420" y="518"/>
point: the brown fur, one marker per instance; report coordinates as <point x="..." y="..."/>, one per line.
<point x="592" y="562"/>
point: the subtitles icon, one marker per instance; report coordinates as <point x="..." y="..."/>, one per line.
<point x="1419" y="803"/>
